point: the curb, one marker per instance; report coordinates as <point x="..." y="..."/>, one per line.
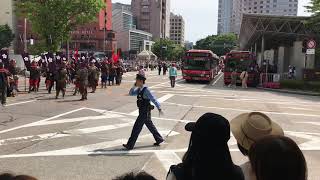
<point x="290" y="91"/>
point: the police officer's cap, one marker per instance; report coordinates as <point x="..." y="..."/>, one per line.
<point x="141" y="77"/>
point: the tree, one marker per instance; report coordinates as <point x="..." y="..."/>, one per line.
<point x="6" y="36"/>
<point x="53" y="20"/>
<point x="314" y="22"/>
<point x="219" y="44"/>
<point x="163" y="48"/>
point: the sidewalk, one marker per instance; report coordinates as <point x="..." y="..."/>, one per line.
<point x="291" y="91"/>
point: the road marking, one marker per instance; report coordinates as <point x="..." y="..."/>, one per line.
<point x="168" y="159"/>
<point x="160" y="100"/>
<point x="247" y="110"/>
<point x="47" y="119"/>
<point x="67" y="133"/>
<point x="18" y="103"/>
<point x="91" y="149"/>
<point x="313" y="143"/>
<point x="71" y="120"/>
<point x="313" y="123"/>
<point x="219" y="77"/>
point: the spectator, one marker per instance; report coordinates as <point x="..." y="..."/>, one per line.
<point x="208" y="156"/>
<point x="247" y="128"/>
<point x="277" y="158"/>
<point x="8" y="176"/>
<point x="139" y="176"/>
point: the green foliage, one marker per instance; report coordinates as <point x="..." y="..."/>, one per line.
<point x="314" y="22"/>
<point x="301" y="85"/>
<point x="6" y="36"/>
<point x="165" y="49"/>
<point x="219" y="44"/>
<point x="53" y="20"/>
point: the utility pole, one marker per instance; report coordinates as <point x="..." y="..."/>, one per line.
<point x="104" y="29"/>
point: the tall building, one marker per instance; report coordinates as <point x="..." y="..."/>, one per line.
<point x="122" y="18"/>
<point x="133" y="40"/>
<point x="224" y="16"/>
<point x="177" y="29"/>
<point x="152" y="16"/>
<point x="240" y="7"/>
<point x="7" y="15"/>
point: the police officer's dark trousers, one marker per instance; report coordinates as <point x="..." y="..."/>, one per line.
<point x="143" y="118"/>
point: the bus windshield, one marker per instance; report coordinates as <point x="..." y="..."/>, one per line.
<point x="239" y="64"/>
<point x="191" y="64"/>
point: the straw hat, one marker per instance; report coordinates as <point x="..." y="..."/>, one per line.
<point x="247" y="128"/>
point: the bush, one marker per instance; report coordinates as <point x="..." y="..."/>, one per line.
<point x="301" y="85"/>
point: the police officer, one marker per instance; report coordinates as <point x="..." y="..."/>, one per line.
<point x="144" y="97"/>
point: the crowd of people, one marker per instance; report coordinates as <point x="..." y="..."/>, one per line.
<point x="83" y="73"/>
<point x="271" y="155"/>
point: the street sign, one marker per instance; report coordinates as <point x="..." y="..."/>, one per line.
<point x="311" y="44"/>
<point x="311" y="51"/>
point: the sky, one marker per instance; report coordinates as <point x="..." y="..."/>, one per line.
<point x="201" y="18"/>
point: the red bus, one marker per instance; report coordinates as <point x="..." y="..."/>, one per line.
<point x="199" y="65"/>
<point x="239" y="61"/>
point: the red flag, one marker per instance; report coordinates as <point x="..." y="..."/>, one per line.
<point x="76" y="55"/>
<point x="115" y="57"/>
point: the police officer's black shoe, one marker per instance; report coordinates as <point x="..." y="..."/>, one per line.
<point x="158" y="143"/>
<point x="127" y="147"/>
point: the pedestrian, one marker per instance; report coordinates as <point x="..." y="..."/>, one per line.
<point x="234" y="76"/>
<point x="35" y="75"/>
<point x="4" y="83"/>
<point x="93" y="76"/>
<point x="82" y="77"/>
<point x="141" y="71"/>
<point x="159" y="68"/>
<point x="61" y="81"/>
<point x="248" y="128"/>
<point x="144" y="96"/>
<point x="173" y="75"/>
<point x="277" y="158"/>
<point x="104" y="74"/>
<point x="244" y="79"/>
<point x="208" y="156"/>
<point x="165" y="68"/>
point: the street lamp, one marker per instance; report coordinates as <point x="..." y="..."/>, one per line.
<point x="163" y="48"/>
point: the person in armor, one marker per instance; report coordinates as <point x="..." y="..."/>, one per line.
<point x="119" y="72"/>
<point x="61" y="80"/>
<point x="82" y="78"/>
<point x="14" y="75"/>
<point x="4" y="83"/>
<point x="35" y="74"/>
<point x="112" y="74"/>
<point x="144" y="96"/>
<point x="93" y="76"/>
<point x="104" y="74"/>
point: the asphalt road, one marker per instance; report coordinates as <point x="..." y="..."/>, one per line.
<point x="72" y="139"/>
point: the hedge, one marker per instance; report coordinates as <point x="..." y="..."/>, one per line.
<point x="301" y="85"/>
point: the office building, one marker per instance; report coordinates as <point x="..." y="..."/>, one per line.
<point x="177" y="29"/>
<point x="224" y="16"/>
<point x="122" y="18"/>
<point x="240" y="7"/>
<point x="133" y="40"/>
<point x="152" y="16"/>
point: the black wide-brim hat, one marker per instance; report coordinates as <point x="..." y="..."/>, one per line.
<point x="211" y="127"/>
<point x="141" y="77"/>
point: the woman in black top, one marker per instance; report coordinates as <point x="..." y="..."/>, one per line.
<point x="208" y="156"/>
